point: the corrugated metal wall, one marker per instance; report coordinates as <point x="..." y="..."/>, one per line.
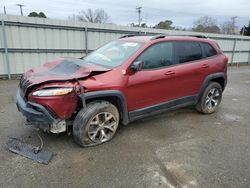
<point x="28" y="42"/>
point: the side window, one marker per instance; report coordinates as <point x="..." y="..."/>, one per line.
<point x="208" y="50"/>
<point x="188" y="51"/>
<point x="158" y="55"/>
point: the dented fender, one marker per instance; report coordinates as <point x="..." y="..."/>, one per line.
<point x="57" y="104"/>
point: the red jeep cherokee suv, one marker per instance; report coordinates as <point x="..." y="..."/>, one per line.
<point x="124" y="80"/>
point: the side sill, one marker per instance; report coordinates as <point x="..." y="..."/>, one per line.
<point x="162" y="107"/>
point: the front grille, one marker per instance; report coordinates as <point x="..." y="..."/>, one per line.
<point x="24" y="84"/>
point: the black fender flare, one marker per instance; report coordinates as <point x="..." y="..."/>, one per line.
<point x="111" y="93"/>
<point x="206" y="82"/>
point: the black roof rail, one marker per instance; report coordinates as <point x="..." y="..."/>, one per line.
<point x="199" y="36"/>
<point x="158" y="36"/>
<point x="166" y="35"/>
<point x="129" y="35"/>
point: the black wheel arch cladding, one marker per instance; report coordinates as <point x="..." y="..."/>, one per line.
<point x="206" y="82"/>
<point x="96" y="95"/>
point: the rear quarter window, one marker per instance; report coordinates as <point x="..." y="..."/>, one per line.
<point x="209" y="50"/>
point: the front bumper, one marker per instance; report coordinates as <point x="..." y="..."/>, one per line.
<point x="35" y="113"/>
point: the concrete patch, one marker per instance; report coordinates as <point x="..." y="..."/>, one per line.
<point x="246" y="82"/>
<point x="231" y="117"/>
<point x="180" y="162"/>
<point x="171" y="175"/>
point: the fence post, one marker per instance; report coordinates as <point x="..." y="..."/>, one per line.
<point x="248" y="61"/>
<point x="232" y="59"/>
<point x="86" y="40"/>
<point x="7" y="62"/>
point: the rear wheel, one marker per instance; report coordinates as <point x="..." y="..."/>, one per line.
<point x="96" y="124"/>
<point x="210" y="98"/>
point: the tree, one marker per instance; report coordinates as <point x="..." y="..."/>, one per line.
<point x="133" y="24"/>
<point x="229" y="27"/>
<point x="93" y="16"/>
<point x="179" y="28"/>
<point x="206" y="24"/>
<point x="38" y="15"/>
<point x="137" y="25"/>
<point x="33" y="14"/>
<point x="164" y="25"/>
<point x="144" y="25"/>
<point x="246" y="30"/>
<point x="42" y="15"/>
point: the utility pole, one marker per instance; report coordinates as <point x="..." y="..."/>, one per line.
<point x="21" y="10"/>
<point x="243" y="30"/>
<point x="138" y="10"/>
<point x="233" y="23"/>
<point x="4" y="10"/>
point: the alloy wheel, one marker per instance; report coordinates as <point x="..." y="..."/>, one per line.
<point x="102" y="127"/>
<point x="212" y="99"/>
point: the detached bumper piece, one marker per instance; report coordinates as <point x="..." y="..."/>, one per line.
<point x="35" y="113"/>
<point x="17" y="146"/>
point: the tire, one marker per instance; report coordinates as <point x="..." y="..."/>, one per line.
<point x="96" y="124"/>
<point x="210" y="99"/>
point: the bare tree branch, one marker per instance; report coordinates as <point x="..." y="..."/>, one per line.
<point x="206" y="24"/>
<point x="96" y="16"/>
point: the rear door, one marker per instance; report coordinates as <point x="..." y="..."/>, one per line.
<point x="211" y="62"/>
<point x="190" y="69"/>
<point x="172" y="70"/>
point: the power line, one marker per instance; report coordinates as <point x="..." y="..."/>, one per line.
<point x="138" y="10"/>
<point x="21" y="10"/>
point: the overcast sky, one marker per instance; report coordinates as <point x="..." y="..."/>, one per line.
<point x="181" y="12"/>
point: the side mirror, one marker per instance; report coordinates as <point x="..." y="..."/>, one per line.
<point x="136" y="66"/>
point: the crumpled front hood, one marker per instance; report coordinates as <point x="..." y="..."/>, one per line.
<point x="62" y="69"/>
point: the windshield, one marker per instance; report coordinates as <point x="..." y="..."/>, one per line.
<point x="114" y="53"/>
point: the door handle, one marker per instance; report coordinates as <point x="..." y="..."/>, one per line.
<point x="169" y="73"/>
<point x="205" y="66"/>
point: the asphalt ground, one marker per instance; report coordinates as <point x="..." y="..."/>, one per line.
<point x="176" y="149"/>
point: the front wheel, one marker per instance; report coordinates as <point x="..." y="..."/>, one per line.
<point x="95" y="124"/>
<point x="210" y="98"/>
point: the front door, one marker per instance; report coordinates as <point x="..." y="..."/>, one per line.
<point x="152" y="85"/>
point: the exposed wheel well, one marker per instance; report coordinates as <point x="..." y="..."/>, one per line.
<point x="113" y="100"/>
<point x="219" y="80"/>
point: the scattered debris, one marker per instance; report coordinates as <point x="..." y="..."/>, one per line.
<point x="32" y="152"/>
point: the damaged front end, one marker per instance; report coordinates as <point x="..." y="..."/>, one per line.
<point x="49" y="96"/>
<point x="39" y="116"/>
